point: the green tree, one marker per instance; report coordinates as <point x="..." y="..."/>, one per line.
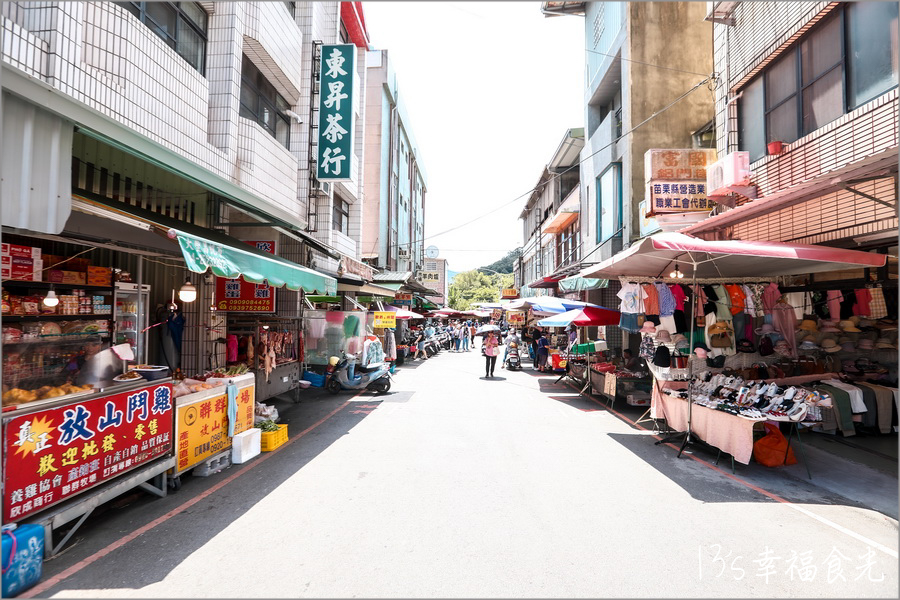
<point x="506" y="264"/>
<point x="473" y="286"/>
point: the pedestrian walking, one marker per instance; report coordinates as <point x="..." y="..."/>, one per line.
<point x="543" y="351"/>
<point x="460" y="333"/>
<point x="490" y="353"/>
<point x="420" y="344"/>
<point x="464" y="334"/>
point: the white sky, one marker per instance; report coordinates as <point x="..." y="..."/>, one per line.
<point x="490" y="89"/>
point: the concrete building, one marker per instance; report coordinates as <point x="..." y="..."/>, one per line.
<point x="195" y="115"/>
<point x="396" y="183"/>
<point x="551" y="224"/>
<point x="832" y="179"/>
<point x="434" y="276"/>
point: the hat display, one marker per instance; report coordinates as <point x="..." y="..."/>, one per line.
<point x="848" y="327"/>
<point x="648" y="327"/>
<point x="701" y="344"/>
<point x="700" y="352"/>
<point x="866" y="323"/>
<point x="808" y="325"/>
<point x="844" y="339"/>
<point x="808" y="345"/>
<point x="884" y="343"/>
<point x="662" y="335"/>
<point x="782" y="347"/>
<point x="719" y="327"/>
<point x="766" y="329"/>
<point x="886" y="325"/>
<point x="746" y="346"/>
<point x="829" y="345"/>
<point x="662" y="357"/>
<point x="830" y="326"/>
<point x="848" y="346"/>
<point x="855" y="318"/>
<point x="678" y="337"/>
<point x="865" y="344"/>
<point x="809" y="338"/>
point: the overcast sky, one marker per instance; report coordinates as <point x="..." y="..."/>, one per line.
<point x="491" y="89"/>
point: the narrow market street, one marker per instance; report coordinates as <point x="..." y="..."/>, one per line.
<point x="453" y="485"/>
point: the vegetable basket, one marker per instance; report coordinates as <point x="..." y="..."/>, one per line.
<point x="271" y="440"/>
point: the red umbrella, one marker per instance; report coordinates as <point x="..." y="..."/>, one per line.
<point x="595" y="316"/>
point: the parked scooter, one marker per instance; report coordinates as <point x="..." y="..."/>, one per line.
<point x="513" y="360"/>
<point x="344" y="374"/>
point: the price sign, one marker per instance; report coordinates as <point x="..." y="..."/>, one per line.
<point x="385" y="319"/>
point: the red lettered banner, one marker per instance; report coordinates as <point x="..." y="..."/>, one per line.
<point x="237" y="295"/>
<point x="54" y="454"/>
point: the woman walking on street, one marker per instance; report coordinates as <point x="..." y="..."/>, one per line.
<point x="543" y="351"/>
<point x="490" y="353"/>
<point x="420" y="345"/>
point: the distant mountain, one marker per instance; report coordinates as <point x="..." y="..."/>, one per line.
<point x="505" y="264"/>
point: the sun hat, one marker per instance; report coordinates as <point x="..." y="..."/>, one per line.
<point x="848" y="346"/>
<point x="782" y="347"/>
<point x="855" y="318"/>
<point x="848" y="326"/>
<point x="865" y="344"/>
<point x="808" y="345"/>
<point x="700" y="352"/>
<point x="829" y="326"/>
<point x="678" y="337"/>
<point x="648" y="327"/>
<point x="866" y="323"/>
<point x="766" y="329"/>
<point x="829" y="345"/>
<point x="662" y="335"/>
<point x="884" y="343"/>
<point x="844" y="339"/>
<point x="808" y="325"/>
<point x="746" y="346"/>
<point x="886" y="325"/>
<point x="719" y="327"/>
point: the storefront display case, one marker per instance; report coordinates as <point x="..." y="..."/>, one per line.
<point x="273" y="349"/>
<point x="130" y="317"/>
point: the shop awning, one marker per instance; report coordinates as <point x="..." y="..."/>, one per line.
<point x="565" y="214"/>
<point x="581" y="284"/>
<point x="370" y="289"/>
<point x="232" y="261"/>
<point x="656" y="256"/>
<point x="544" y="282"/>
<point x="589" y="316"/>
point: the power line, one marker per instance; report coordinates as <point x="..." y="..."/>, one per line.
<point x="640" y="62"/>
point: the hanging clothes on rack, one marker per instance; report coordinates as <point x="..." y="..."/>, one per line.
<point x="833" y="298"/>
<point x="631" y="305"/>
<point x="651" y="303"/>
<point x="770" y="296"/>
<point x="784" y="320"/>
<point x="390" y="345"/>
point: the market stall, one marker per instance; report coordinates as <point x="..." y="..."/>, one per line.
<point x="720" y="263"/>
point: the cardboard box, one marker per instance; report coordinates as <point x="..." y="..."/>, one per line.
<point x="15" y="250"/>
<point x="638" y="399"/>
<point x="99" y="276"/>
<point x="59" y="276"/>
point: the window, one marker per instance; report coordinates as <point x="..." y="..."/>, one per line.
<point x="568" y="242"/>
<point x="845" y="61"/>
<point x="291" y="7"/>
<point x="181" y="25"/>
<point x="261" y="103"/>
<point x="345" y="35"/>
<point x="599" y="23"/>
<point x="609" y="203"/>
<point x="340" y="220"/>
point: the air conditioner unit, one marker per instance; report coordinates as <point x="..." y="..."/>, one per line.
<point x="403" y="253"/>
<point x="729" y="175"/>
<point x="324" y="187"/>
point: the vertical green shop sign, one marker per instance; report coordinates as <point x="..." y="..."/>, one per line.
<point x="336" y="114"/>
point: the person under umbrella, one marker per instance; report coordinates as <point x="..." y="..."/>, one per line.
<point x="490" y="353"/>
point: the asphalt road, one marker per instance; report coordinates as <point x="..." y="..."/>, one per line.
<point x="454" y="485"/>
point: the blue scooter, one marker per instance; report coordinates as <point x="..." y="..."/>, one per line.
<point x="343" y="376"/>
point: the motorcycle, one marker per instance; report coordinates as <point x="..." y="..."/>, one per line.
<point x="513" y="360"/>
<point x="344" y="374"/>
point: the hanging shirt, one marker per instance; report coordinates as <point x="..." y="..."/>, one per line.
<point x="723" y="304"/>
<point x="666" y="300"/>
<point x="647" y="348"/>
<point x="834" y="304"/>
<point x="678" y="294"/>
<point x="632" y="298"/>
<point x="736" y="294"/>
<point x="861" y="307"/>
<point x="770" y="296"/>
<point x="801" y="302"/>
<point x="711" y="299"/>
<point x="877" y="305"/>
<point x="749" y="304"/>
<point x="651" y="302"/>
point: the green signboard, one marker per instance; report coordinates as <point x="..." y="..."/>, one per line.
<point x="336" y="115"/>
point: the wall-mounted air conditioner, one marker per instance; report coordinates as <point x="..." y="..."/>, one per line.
<point x="730" y="174"/>
<point x="403" y="253"/>
<point x="323" y="187"/>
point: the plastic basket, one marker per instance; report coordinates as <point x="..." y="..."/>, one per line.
<point x="271" y="440"/>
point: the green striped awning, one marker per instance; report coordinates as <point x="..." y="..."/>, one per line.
<point x="229" y="261"/>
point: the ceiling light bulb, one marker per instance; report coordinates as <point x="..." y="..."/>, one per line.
<point x="187" y="293"/>
<point x="51" y="299"/>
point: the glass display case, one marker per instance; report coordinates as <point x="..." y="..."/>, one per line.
<point x="130" y="317"/>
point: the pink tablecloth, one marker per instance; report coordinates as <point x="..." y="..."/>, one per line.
<point x="727" y="432"/>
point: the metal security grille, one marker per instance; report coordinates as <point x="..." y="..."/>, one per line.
<point x="838" y="215"/>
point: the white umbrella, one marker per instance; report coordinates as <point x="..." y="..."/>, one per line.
<point x="486" y="329"/>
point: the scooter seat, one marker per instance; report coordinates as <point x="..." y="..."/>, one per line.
<point x="370" y="367"/>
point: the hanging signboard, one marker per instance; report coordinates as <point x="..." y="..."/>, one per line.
<point x="337" y="99"/>
<point x="515" y="318"/>
<point x="497" y="314"/>
<point x="54" y="454"/>
<point x="509" y="293"/>
<point x="403" y="299"/>
<point x="385" y="319"/>
<point x="678" y="197"/>
<point x="676" y="180"/>
<point x="237" y="295"/>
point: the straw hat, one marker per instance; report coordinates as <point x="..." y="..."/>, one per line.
<point x="678" y="337"/>
<point x="648" y="327"/>
<point x="662" y="335"/>
<point x="829" y="326"/>
<point x="855" y="318"/>
<point x="720" y="327"/>
<point x="848" y="326"/>
<point x="865" y="344"/>
<point x="829" y="345"/>
<point x="808" y="345"/>
<point x="782" y="347"/>
<point x="884" y="343"/>
<point x="886" y="325"/>
<point x="808" y="325"/>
